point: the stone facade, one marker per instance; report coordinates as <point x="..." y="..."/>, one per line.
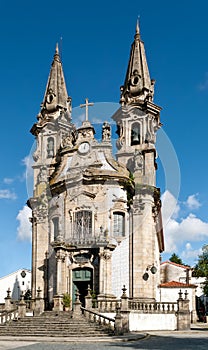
<point x="96" y="219"/>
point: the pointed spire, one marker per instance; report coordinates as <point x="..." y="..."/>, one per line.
<point x="56" y="96"/>
<point x="137" y="35"/>
<point x="138" y="86"/>
<point x="57" y="49"/>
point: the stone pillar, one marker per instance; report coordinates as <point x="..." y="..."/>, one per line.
<point x="183" y="314"/>
<point x="8" y="304"/>
<point x="59" y="260"/>
<point x="88" y="299"/>
<point x="118" y="322"/>
<point x="77" y="312"/>
<point x="34" y="255"/>
<point x="39" y="303"/>
<point x="22" y="307"/>
<point x="125" y="311"/>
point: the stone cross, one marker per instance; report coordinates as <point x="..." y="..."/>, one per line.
<point x="86" y="105"/>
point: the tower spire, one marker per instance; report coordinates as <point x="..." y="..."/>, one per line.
<point x="138" y="87"/>
<point x="56" y="96"/>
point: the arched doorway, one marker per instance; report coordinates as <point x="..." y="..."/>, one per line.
<point x="81" y="278"/>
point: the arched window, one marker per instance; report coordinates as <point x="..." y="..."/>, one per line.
<point x="50" y="147"/>
<point x="135" y="134"/>
<point x="55" y="227"/>
<point x="118" y="224"/>
<point x="83" y="224"/>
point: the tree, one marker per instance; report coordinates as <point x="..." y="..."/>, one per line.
<point x="175" y="258"/>
<point x="201" y="268"/>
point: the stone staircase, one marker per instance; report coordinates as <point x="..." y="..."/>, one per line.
<point x="53" y="324"/>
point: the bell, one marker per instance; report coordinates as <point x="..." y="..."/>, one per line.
<point x="135" y="136"/>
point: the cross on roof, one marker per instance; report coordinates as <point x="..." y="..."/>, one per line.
<point x="86" y="105"/>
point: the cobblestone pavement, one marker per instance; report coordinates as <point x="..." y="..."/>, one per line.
<point x="190" y="340"/>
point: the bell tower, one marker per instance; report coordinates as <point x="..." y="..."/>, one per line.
<point x="138" y="120"/>
<point x="51" y="131"/>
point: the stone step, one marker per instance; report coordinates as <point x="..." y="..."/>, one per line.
<point x="53" y="325"/>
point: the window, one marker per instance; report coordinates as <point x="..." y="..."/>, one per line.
<point x="83" y="224"/>
<point x="55" y="227"/>
<point x="118" y="224"/>
<point x="50" y="147"/>
<point x="135" y="134"/>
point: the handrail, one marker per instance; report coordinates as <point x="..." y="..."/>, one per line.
<point x="6" y="316"/>
<point x="97" y="317"/>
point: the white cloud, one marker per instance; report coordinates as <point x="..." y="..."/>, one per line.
<point x="24" y="230"/>
<point x="189" y="229"/>
<point x="192" y="202"/>
<point x="204" y="85"/>
<point x="8" y="180"/>
<point x="170" y="207"/>
<point x="28" y="162"/>
<point x="7" y="194"/>
<point x="190" y="253"/>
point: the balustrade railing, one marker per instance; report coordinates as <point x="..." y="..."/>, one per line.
<point x="96" y="317"/>
<point x="106" y="305"/>
<point x="153" y="307"/>
<point x="6" y="316"/>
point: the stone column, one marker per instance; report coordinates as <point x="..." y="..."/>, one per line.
<point x="105" y="272"/>
<point x="34" y="254"/>
<point x="143" y="246"/>
<point x="59" y="260"/>
<point x="58" y="298"/>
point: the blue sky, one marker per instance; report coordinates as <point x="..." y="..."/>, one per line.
<point x="96" y="39"/>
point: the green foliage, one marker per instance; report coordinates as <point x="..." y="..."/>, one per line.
<point x="175" y="259"/>
<point x="66" y="300"/>
<point x="201" y="268"/>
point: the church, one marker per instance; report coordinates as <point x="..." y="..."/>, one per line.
<point x="96" y="216"/>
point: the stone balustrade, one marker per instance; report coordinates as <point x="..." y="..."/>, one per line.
<point x="99" y="318"/>
<point x="6" y="316"/>
<point x="153" y="307"/>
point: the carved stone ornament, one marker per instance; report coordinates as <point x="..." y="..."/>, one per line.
<point x="138" y="161"/>
<point x="42" y="176"/>
<point x="68" y="141"/>
<point x="50" y="96"/>
<point x="60" y="255"/>
<point x="106" y="132"/>
<point x="36" y="155"/>
<point x="138" y="206"/>
<point x="40" y="207"/>
<point x="105" y="255"/>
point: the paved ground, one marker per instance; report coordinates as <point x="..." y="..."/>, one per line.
<point x="197" y="338"/>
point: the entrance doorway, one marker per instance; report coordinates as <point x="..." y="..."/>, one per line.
<point x="81" y="278"/>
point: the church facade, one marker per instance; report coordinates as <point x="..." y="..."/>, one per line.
<point x="96" y="217"/>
